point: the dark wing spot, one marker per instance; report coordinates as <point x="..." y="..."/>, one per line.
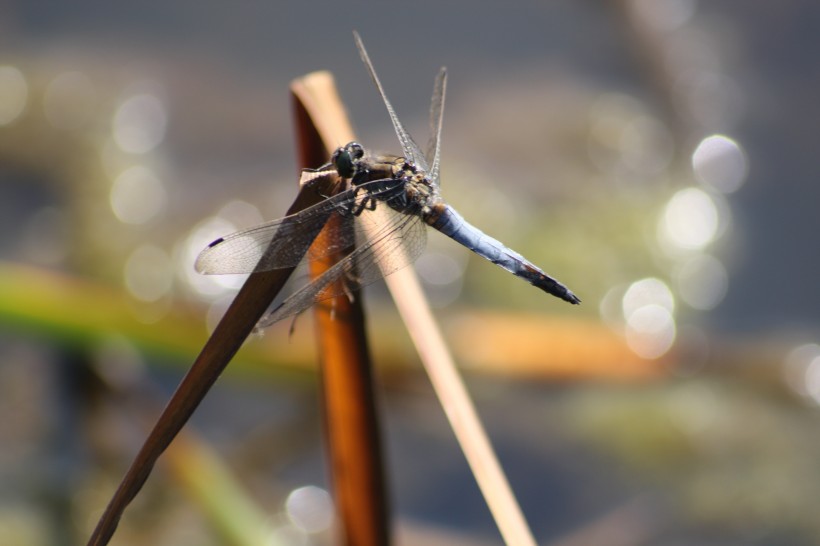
<point x="221" y="239"/>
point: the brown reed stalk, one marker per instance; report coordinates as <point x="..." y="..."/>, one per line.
<point x="351" y="424"/>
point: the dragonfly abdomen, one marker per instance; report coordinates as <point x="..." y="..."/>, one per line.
<point x="449" y="222"/>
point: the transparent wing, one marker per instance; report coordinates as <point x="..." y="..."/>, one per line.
<point x="409" y="147"/>
<point x="397" y="241"/>
<point x="285" y="242"/>
<point x="436" y="119"/>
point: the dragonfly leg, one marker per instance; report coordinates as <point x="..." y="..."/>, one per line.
<point x="357" y="208"/>
<point x="348" y="282"/>
<point x="348" y="292"/>
<point x="368" y="203"/>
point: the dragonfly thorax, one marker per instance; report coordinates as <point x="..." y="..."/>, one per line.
<point x="389" y="178"/>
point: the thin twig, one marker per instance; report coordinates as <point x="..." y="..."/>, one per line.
<point x="415" y="311"/>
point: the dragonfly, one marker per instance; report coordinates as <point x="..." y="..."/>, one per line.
<point x="386" y="204"/>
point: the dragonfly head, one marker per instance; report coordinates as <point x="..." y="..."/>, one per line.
<point x="346" y="158"/>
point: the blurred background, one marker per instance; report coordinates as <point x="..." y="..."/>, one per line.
<point x="654" y="155"/>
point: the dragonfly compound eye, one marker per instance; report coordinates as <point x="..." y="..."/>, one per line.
<point x="344" y="159"/>
<point x="356" y="150"/>
<point x="343" y="163"/>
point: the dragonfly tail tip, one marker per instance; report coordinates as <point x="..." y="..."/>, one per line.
<point x="571" y="298"/>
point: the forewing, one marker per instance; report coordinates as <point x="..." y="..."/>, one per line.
<point x="410" y="148"/>
<point x="436" y="119"/>
<point x="396" y="241"/>
<point x="277" y="244"/>
<point x="286" y="241"/>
